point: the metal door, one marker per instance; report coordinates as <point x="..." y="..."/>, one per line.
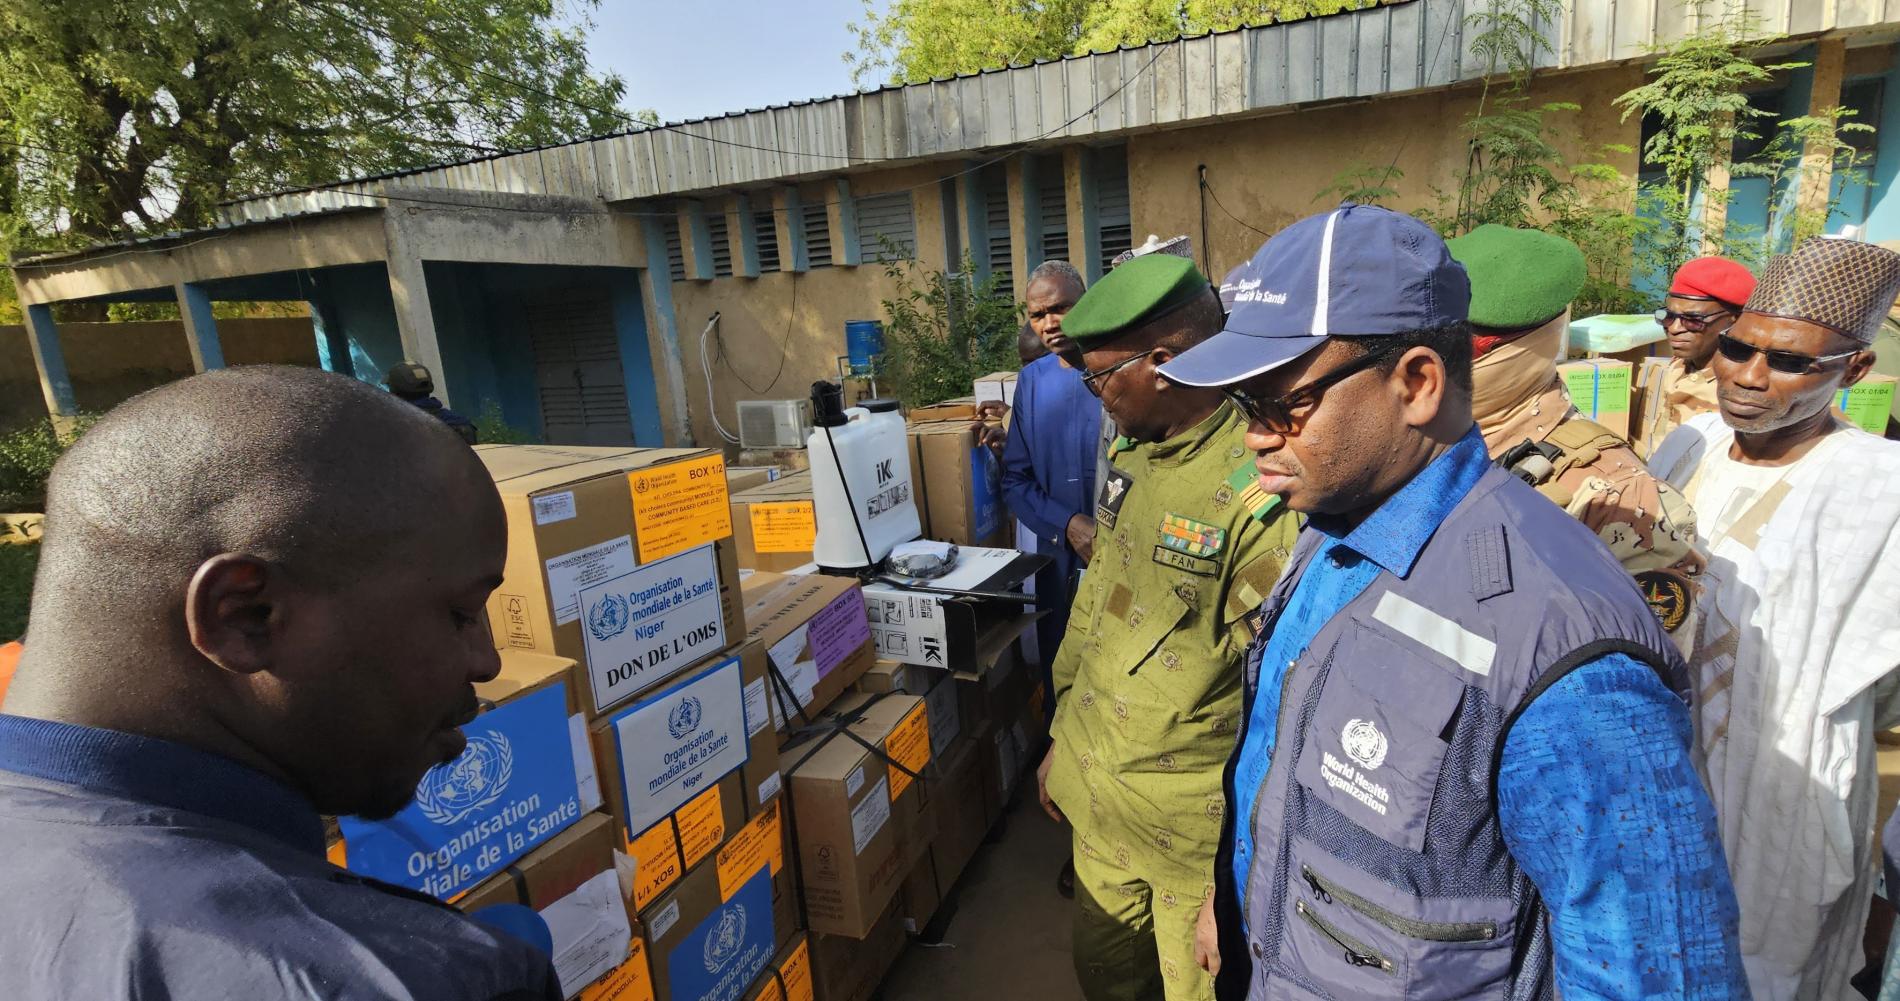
<point x="582" y="387"/>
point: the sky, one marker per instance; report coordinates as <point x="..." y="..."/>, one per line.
<point x="699" y="58"/>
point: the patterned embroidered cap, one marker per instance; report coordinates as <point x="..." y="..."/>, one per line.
<point x="1844" y="285"/>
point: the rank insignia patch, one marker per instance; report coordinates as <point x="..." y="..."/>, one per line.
<point x="1195" y="538"/>
<point x="1668" y="596"/>
<point x="1114" y="491"/>
<point x="1245" y="483"/>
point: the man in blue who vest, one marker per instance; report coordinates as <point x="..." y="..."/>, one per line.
<point x="1464" y="765"/>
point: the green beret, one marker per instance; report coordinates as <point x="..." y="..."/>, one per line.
<point x="1142" y="289"/>
<point x="1519" y="277"/>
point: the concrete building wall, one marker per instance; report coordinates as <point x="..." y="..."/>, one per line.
<point x="786" y="315"/>
<point x="1269" y="172"/>
<point x="111" y="362"/>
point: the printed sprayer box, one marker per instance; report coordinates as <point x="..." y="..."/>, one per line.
<point x="861" y="822"/>
<point x="571" y="882"/>
<point x="1600" y="389"/>
<point x="959" y="484"/>
<point x="521" y="779"/>
<point x="943" y="630"/>
<point x="815" y="636"/>
<point x="619" y="558"/>
<point x="773" y="524"/>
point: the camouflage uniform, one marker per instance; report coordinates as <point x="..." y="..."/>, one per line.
<point x="1148" y="684"/>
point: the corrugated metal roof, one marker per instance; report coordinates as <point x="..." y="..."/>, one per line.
<point x="1399" y="46"/>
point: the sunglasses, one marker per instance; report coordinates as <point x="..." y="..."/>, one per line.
<point x="1288" y="413"/>
<point x="1786" y="362"/>
<point x="1093" y="380"/>
<point x="1692" y="321"/>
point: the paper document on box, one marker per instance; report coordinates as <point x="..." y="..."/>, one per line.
<point x="793" y="658"/>
<point x="570" y="573"/>
<point x="674" y="744"/>
<point x="646" y="624"/>
<point x="590" y="932"/>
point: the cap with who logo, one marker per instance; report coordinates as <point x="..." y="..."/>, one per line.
<point x="1356" y="271"/>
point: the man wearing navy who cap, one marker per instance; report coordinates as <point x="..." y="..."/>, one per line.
<point x="1463" y="770"/>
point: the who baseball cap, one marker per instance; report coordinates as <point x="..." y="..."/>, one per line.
<point x="1356" y="271"/>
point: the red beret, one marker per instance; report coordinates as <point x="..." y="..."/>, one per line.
<point x="1715" y="278"/>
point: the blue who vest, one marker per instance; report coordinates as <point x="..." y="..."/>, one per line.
<point x="1379" y="869"/>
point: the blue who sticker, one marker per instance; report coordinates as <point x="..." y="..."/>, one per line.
<point x="722" y="955"/>
<point x="512" y="788"/>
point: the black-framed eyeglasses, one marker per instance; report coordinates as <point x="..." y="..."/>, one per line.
<point x="1696" y="322"/>
<point x="1093" y="379"/>
<point x="1279" y="416"/>
<point x="1786" y="362"/>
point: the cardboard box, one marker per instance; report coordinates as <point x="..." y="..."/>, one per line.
<point x="815" y="637"/>
<point x="997" y="386"/>
<point x="739" y="479"/>
<point x="936" y="686"/>
<point x="707" y="941"/>
<point x="664" y="852"/>
<point x="773" y="525"/>
<point x="523" y="673"/>
<point x="999" y="687"/>
<point x="1600" y="389"/>
<point x="939" y="630"/>
<point x="522" y="778"/>
<point x="850" y="969"/>
<point x="861" y="818"/>
<point x="963" y="408"/>
<point x="672" y="746"/>
<point x="621" y="559"/>
<point x="789" y="978"/>
<point x="1868" y="404"/>
<point x="956" y="799"/>
<point x="632" y="980"/>
<point x="571" y="882"/>
<point x="959" y="485"/>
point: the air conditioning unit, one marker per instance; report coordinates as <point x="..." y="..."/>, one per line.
<point x="774" y="424"/>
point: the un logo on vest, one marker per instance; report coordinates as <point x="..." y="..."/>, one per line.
<point x="474" y="780"/>
<point x="684" y="718"/>
<point x="726" y="938"/>
<point x="608" y="617"/>
<point x="1363" y="743"/>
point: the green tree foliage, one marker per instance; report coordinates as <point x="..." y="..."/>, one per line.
<point x="120" y="118"/>
<point x="945" y="331"/>
<point x="917" y="40"/>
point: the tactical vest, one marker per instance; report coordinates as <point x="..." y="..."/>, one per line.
<point x="1572" y="443"/>
<point x="1379" y="867"/>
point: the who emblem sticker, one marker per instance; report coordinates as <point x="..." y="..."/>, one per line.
<point x="726" y="951"/>
<point x="448" y="793"/>
<point x="512" y="787"/>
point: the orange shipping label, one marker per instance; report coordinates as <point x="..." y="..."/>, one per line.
<point x="702" y="825"/>
<point x="630" y="981"/>
<point x="796" y="973"/>
<point x="679" y="506"/>
<point x="768" y="991"/>
<point x="908" y="745"/>
<point x="783" y="527"/>
<point x="656" y="863"/>
<point x="760" y="842"/>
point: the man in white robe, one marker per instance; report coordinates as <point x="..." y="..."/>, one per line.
<point x="1797" y="658"/>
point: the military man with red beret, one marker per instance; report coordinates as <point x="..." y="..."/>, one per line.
<point x="1705" y="298"/>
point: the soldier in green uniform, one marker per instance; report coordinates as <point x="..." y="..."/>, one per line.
<point x="1148" y="679"/>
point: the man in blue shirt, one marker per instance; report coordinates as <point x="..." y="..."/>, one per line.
<point x="1464" y="763"/>
<point x="1049" y="460"/>
<point x="242" y="621"/>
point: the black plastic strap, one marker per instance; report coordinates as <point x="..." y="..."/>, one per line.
<point x="781" y="689"/>
<point x="840" y="724"/>
<point x="520" y="881"/>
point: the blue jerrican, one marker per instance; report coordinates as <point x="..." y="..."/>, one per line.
<point x="1379" y="866"/>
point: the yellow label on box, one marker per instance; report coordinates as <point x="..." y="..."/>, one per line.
<point x="796" y="973"/>
<point x="908" y="745"/>
<point x="630" y="981"/>
<point x="702" y="825"/>
<point x="760" y="842"/>
<point x="656" y="863"/>
<point x="783" y="527"/>
<point x="679" y="506"/>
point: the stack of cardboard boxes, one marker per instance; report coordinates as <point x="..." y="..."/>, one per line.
<point x="709" y="787"/>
